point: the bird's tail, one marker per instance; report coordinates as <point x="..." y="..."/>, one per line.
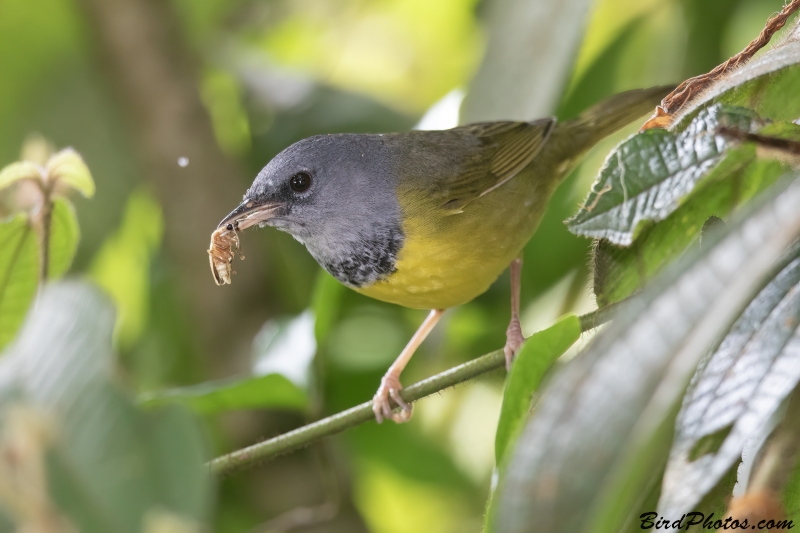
<point x="603" y="119"/>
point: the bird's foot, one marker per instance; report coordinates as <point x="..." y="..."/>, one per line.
<point x="514" y="341"/>
<point x="382" y="401"/>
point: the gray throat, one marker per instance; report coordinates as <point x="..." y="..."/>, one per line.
<point x="362" y="261"/>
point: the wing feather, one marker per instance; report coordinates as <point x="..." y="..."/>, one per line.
<point x="502" y="150"/>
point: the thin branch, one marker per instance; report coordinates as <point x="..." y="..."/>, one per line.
<point x="46" y="221"/>
<point x="690" y="88"/>
<point x="305" y="435"/>
<point x="42" y="220"/>
<point x="788" y="146"/>
<point x="598" y="317"/>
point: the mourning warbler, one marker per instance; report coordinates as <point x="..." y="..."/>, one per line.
<point x="427" y="219"/>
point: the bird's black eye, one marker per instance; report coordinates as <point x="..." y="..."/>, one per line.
<point x="300" y="182"/>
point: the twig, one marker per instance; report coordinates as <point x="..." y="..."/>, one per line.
<point x="43" y="220"/>
<point x="305" y="435"/>
<point x="46" y="222"/>
<point x="783" y="145"/>
<point x="690" y="88"/>
<point x="597" y="318"/>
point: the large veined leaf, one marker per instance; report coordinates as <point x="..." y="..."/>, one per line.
<point x="738" y="177"/>
<point x="618" y="271"/>
<point x="19" y="274"/>
<point x="768" y="85"/>
<point x="601" y="429"/>
<point x="647" y="176"/>
<point x="734" y="394"/>
<point x="109" y="466"/>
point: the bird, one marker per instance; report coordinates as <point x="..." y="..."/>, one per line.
<point x="427" y="219"/>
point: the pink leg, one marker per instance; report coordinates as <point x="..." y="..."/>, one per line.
<point x="514" y="338"/>
<point x="390" y="384"/>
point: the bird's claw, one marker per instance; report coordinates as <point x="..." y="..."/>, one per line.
<point x="514" y="341"/>
<point x="382" y="401"/>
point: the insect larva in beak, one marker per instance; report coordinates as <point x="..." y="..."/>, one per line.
<point x="224" y="246"/>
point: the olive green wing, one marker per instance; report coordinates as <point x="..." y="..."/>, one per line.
<point x="501" y="151"/>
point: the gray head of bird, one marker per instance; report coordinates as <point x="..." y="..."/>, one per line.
<point x="335" y="194"/>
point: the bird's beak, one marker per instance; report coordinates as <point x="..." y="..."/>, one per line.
<point x="250" y="213"/>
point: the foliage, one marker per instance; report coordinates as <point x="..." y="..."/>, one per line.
<point x="20" y="270"/>
<point x="756" y="360"/>
<point x="625" y="390"/>
<point x="535" y="358"/>
<point x="51" y="222"/>
<point x="723" y="182"/>
<point x="106" y="419"/>
<point x="73" y="442"/>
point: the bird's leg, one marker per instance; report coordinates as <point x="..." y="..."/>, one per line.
<point x="390" y="384"/>
<point x="514" y="338"/>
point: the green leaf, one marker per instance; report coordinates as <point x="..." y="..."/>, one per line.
<point x="618" y="272"/>
<point x="538" y="353"/>
<point x="22" y="170"/>
<point x="109" y="465"/>
<point x="273" y="391"/>
<point x="67" y="168"/>
<point x="736" y="391"/>
<point x="648" y="176"/>
<point x="601" y="430"/>
<point x="19" y="274"/>
<point x="283" y="351"/>
<point x="64" y="237"/>
<point x="535" y="358"/>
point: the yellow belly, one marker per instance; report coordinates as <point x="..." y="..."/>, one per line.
<point x="449" y="259"/>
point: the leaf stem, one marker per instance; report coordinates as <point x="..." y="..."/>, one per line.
<point x="305" y="435"/>
<point x="45" y="219"/>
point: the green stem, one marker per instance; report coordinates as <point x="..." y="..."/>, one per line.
<point x="46" y="221"/>
<point x="305" y="435"/>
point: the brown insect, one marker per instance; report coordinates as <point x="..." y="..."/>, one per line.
<point x="224" y="246"/>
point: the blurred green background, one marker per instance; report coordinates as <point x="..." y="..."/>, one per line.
<point x="136" y="85"/>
